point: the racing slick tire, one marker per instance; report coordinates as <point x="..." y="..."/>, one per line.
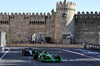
<point x="23" y="52"/>
<point x="57" y="57"/>
<point x="35" y="56"/>
<point x="33" y="51"/>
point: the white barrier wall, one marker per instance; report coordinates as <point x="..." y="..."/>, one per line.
<point x="2" y="41"/>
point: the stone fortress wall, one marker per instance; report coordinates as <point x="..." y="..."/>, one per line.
<point x="87" y="27"/>
<point x="18" y="26"/>
<point x="84" y="27"/>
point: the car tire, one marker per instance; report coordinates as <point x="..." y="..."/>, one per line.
<point x="35" y="56"/>
<point x="23" y="52"/>
<point x="57" y="57"/>
<point x="33" y="52"/>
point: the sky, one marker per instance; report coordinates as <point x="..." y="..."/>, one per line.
<point x="45" y="6"/>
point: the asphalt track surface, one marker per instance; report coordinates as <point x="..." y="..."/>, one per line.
<point x="14" y="57"/>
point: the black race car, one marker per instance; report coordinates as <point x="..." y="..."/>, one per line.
<point x="28" y="51"/>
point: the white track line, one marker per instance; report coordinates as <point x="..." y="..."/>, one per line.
<point x="80" y="54"/>
<point x="72" y="52"/>
<point x="4" y="54"/>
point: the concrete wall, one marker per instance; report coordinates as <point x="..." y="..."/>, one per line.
<point x="48" y="45"/>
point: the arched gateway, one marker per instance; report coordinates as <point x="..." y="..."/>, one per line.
<point x="36" y="38"/>
<point x="51" y="26"/>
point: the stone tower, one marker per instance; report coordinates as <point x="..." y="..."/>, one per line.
<point x="64" y="22"/>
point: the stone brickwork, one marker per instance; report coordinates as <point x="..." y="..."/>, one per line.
<point x="19" y="25"/>
<point x="87" y="27"/>
<point x="63" y="22"/>
<point x="83" y="28"/>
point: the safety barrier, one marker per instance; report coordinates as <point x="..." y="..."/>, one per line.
<point x="94" y="46"/>
<point x="49" y="45"/>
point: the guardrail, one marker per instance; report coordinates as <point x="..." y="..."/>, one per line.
<point x="94" y="46"/>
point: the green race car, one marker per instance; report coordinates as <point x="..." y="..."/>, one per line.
<point x="44" y="56"/>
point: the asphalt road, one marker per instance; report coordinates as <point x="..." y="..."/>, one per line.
<point x="15" y="58"/>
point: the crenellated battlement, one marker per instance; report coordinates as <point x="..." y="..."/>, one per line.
<point x="90" y="13"/>
<point x="64" y="3"/>
<point x="64" y="6"/>
<point x="32" y="16"/>
<point x="87" y="14"/>
<point x="24" y="14"/>
<point x="4" y="14"/>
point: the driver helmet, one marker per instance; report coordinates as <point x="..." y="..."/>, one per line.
<point x="45" y="52"/>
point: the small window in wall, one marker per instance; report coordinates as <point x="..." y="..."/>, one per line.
<point x="38" y="22"/>
<point x="7" y="22"/>
<point x="50" y="17"/>
<point x="43" y="22"/>
<point x="27" y="17"/>
<point x="64" y="15"/>
<point x="1" y="22"/>
<point x="30" y="22"/>
<point x="24" y="17"/>
<point x="34" y="22"/>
